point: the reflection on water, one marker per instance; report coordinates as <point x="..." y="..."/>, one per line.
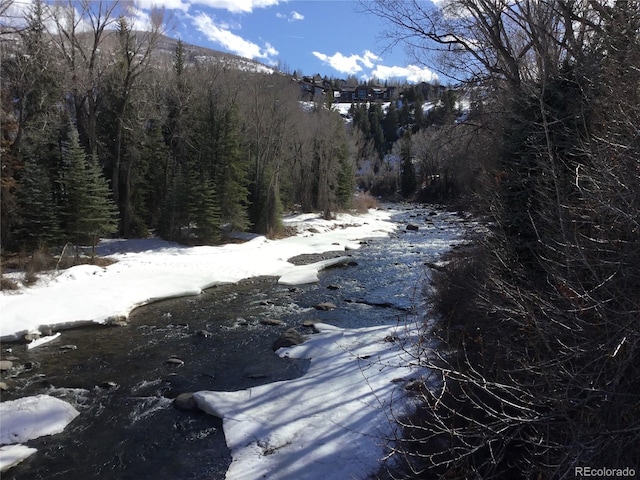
<point x="123" y="379"/>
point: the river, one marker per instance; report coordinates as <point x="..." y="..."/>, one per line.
<point x="123" y="379"/>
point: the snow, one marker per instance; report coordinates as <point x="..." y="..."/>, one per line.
<point x="11" y="455"/>
<point x="28" y="418"/>
<point x="333" y="422"/>
<point x="33" y="417"/>
<point x="151" y="269"/>
<point x="42" y="340"/>
<point x="337" y="421"/>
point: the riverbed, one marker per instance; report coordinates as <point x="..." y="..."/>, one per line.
<point x="123" y="379"/>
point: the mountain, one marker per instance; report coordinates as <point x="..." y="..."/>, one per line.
<point x="195" y="54"/>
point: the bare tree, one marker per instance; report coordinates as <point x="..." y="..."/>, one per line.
<point x="133" y="50"/>
<point x="540" y="325"/>
<point x="81" y="30"/>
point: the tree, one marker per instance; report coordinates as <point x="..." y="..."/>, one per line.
<point x="89" y="212"/>
<point x="85" y="59"/>
<point x="203" y="208"/>
<point x="553" y="319"/>
<point x="39" y="222"/>
<point x="391" y="126"/>
<point x="267" y="115"/>
<point x="408" y="181"/>
<point x="132" y="54"/>
<point x="30" y="99"/>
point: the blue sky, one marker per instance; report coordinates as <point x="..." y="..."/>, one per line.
<point x="328" y="37"/>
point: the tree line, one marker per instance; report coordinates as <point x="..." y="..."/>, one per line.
<point x="538" y="344"/>
<point x="103" y="133"/>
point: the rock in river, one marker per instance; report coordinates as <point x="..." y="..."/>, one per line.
<point x="186" y="402"/>
<point x="325" y="306"/>
<point x="288" y="339"/>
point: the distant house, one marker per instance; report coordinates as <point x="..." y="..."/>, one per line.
<point x="316" y="88"/>
<point x="430" y="92"/>
<point x="364" y="93"/>
<point x="313" y="88"/>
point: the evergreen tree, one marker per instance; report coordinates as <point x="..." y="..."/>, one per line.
<point x="375" y="122"/>
<point x="233" y="169"/>
<point x="408" y="181"/>
<point x="345" y="182"/>
<point x="390" y="124"/>
<point x="174" y="208"/>
<point x="204" y="210"/>
<point x="418" y="115"/>
<point x="39" y="216"/>
<point x="89" y="211"/>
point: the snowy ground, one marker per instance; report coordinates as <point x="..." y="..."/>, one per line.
<point x="332" y="423"/>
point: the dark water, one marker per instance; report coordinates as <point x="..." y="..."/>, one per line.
<point x="120" y="380"/>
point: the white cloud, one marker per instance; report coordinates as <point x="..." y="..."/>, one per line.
<point x="236" y="6"/>
<point x="182" y="5"/>
<point x="233" y="6"/>
<point x="413" y="73"/>
<point x="292" y="17"/>
<point x="349" y="65"/>
<point x="221" y="35"/>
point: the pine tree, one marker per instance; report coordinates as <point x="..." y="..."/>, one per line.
<point x="408" y="181"/>
<point x="89" y="211"/>
<point x="39" y="216"/>
<point x="203" y="208"/>
<point x="232" y="173"/>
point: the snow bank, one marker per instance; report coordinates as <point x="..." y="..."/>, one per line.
<point x="28" y="418"/>
<point x="33" y="417"/>
<point x="336" y="421"/>
<point x="11" y="455"/>
<point x="151" y="269"/>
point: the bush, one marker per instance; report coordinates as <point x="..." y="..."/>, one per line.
<point x="7" y="284"/>
<point x="362" y="202"/>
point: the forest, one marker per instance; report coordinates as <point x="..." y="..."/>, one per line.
<point x="107" y="132"/>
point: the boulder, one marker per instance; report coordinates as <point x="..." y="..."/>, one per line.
<point x="30" y="337"/>
<point x="6" y="365"/>
<point x="413" y="227"/>
<point x="109" y="385"/>
<point x="186" y="402"/>
<point x="325" y="306"/>
<point x="288" y="339"/>
<point x="271" y="321"/>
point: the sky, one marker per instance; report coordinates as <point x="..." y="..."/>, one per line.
<point x="336" y="418"/>
<point x="327" y="37"/>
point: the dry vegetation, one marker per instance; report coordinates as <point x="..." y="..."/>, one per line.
<point x="29" y="267"/>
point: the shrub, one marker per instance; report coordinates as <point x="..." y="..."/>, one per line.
<point x="362" y="202"/>
<point x="7" y="284"/>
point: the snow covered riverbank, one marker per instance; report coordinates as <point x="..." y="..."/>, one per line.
<point x="151" y="269"/>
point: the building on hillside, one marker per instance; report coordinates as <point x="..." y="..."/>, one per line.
<point x="317" y="88"/>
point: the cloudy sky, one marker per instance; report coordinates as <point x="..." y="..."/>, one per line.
<point x="328" y="37"/>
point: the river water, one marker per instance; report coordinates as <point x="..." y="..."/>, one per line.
<point x="123" y="379"/>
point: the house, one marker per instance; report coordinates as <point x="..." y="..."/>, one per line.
<point x="317" y="88"/>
